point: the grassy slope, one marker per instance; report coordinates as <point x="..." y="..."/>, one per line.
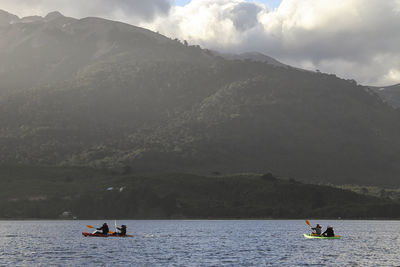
<point x="45" y="192"/>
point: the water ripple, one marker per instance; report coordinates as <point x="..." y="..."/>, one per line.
<point x="199" y="243"/>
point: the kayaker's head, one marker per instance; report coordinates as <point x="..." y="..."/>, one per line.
<point x="318" y="226"/>
<point x="105" y="224"/>
<point x="123" y="226"/>
<point x="329" y="227"/>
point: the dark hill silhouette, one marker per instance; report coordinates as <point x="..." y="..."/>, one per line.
<point x="109" y="95"/>
<point x="47" y="192"/>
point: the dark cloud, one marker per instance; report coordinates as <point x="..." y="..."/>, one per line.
<point x="244" y="15"/>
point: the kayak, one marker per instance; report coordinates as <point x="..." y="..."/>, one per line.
<point x="102" y="235"/>
<point x="321" y="237"/>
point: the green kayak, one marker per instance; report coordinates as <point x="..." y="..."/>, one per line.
<point x="321" y="237"/>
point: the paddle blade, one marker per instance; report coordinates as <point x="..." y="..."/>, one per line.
<point x="89" y="226"/>
<point x="308" y="223"/>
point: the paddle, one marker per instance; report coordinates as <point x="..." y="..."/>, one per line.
<point x="89" y="226"/>
<point x="308" y="223"/>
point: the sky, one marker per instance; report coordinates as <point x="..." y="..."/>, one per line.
<point x="270" y="3"/>
<point x="354" y="39"/>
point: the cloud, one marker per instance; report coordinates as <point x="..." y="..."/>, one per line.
<point x="352" y="38"/>
<point x="212" y="23"/>
<point x="133" y="10"/>
<point x="244" y="15"/>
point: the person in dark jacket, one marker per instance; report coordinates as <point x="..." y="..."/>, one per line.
<point x="103" y="229"/>
<point x="329" y="232"/>
<point x="122" y="230"/>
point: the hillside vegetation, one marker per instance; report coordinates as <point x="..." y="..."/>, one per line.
<point x="107" y="95"/>
<point x="47" y="192"/>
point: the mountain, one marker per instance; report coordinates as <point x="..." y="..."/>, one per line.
<point x="36" y="51"/>
<point x="7" y="18"/>
<point x="253" y="56"/>
<point x="99" y="93"/>
<point x="389" y="94"/>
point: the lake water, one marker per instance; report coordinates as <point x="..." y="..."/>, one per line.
<point x="199" y="243"/>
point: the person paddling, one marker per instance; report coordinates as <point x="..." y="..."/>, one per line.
<point x="103" y="229"/>
<point x="317" y="230"/>
<point x="329" y="232"/>
<point x="122" y="230"/>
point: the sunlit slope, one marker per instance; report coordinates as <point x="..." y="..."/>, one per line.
<point x="38" y="51"/>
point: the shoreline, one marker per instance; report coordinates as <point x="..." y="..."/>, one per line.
<point x="202" y="219"/>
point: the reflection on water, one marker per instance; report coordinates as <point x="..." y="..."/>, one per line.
<point x="200" y="243"/>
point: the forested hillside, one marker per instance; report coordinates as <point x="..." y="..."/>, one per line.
<point x="108" y="95"/>
<point x="50" y="192"/>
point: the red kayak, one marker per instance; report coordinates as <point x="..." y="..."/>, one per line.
<point x="102" y="235"/>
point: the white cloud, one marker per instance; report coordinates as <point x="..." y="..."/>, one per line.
<point x="353" y="38"/>
<point x="392" y="75"/>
